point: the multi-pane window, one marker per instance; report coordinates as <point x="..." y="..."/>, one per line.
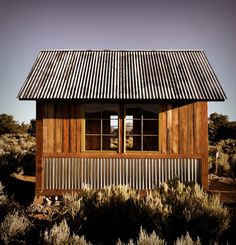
<point x="101" y="127"/>
<point x="142" y="128"/>
<point x="140" y="124"/>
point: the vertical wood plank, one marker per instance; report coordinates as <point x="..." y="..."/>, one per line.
<point x="204" y="143"/>
<point x="175" y="130"/>
<point x="66" y="127"/>
<point x="44" y="119"/>
<point x="39" y="149"/>
<point x="190" y="145"/>
<point x="72" y="138"/>
<point x="163" y="129"/>
<point x="169" y="128"/>
<point x="183" y="140"/>
<point x="196" y="127"/>
<point x="50" y="127"/>
<point x="82" y="125"/>
<point x="78" y="127"/>
<point x="58" y="128"/>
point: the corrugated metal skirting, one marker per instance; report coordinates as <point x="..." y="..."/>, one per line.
<point x="74" y="173"/>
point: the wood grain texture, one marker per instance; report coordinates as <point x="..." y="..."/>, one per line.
<point x="121" y="155"/>
<point x="169" y="128"/>
<point x="50" y="126"/>
<point x="175" y="130"/>
<point x="180" y="128"/>
<point x="184" y="129"/>
<point x="163" y="130"/>
<point x="183" y="133"/>
<point x="197" y="127"/>
<point x="72" y="144"/>
<point x="39" y="149"/>
<point x="190" y="122"/>
<point x="61" y="127"/>
<point x="66" y="128"/>
<point x="58" y="128"/>
<point x="78" y="127"/>
<point x="204" y="143"/>
<point x="45" y="131"/>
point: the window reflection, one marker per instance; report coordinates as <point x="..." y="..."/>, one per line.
<point x="150" y="143"/>
<point x="93" y="142"/>
<point x="141" y="127"/>
<point x="101" y="127"/>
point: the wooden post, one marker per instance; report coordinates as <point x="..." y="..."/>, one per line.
<point x="39" y="149"/>
<point x="204" y="144"/>
<point x="78" y="129"/>
<point x="169" y="128"/>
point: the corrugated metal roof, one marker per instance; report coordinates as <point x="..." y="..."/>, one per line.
<point x="122" y="75"/>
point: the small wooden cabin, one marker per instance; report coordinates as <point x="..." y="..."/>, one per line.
<point x="120" y="117"/>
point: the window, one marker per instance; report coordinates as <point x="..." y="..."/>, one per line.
<point x="142" y="128"/>
<point x="140" y="124"/>
<point x="101" y="127"/>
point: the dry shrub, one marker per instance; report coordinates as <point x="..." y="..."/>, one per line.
<point x="72" y="203"/>
<point x="7" y="205"/>
<point x="193" y="210"/>
<point x="14" y="227"/>
<point x="154" y="239"/>
<point x="145" y="239"/>
<point x="118" y="212"/>
<point x="3" y="197"/>
<point x="60" y="235"/>
<point x="17" y="152"/>
<point x="187" y="240"/>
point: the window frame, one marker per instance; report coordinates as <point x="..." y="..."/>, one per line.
<point x="121" y="147"/>
<point x="101" y="135"/>
<point x="141" y="134"/>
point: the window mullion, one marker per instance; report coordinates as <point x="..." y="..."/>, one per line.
<point x="142" y="131"/>
<point x="121" y="130"/>
<point x="101" y="132"/>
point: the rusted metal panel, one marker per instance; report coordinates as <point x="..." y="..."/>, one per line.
<point x="122" y="75"/>
<point x="144" y="174"/>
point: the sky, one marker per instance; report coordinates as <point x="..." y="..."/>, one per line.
<point x="27" y="26"/>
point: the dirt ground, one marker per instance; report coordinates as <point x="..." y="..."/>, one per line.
<point x="226" y="187"/>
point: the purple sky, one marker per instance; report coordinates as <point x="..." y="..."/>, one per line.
<point x="27" y="26"/>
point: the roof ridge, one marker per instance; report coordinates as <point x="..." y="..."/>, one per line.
<point x="122" y="50"/>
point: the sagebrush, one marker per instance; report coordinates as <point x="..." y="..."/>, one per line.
<point x="14" y="227"/>
<point x="119" y="212"/>
<point x="173" y="214"/>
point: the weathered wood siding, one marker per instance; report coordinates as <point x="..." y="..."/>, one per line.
<point x="61" y="128"/>
<point x="184" y="128"/>
<point x="183" y="135"/>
